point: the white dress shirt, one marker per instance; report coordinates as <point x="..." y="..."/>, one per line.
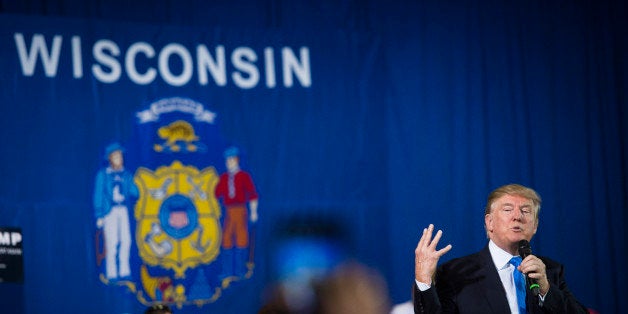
<point x="501" y="260"/>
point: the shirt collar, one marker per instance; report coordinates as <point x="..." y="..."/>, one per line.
<point x="111" y="170"/>
<point x="500" y="257"/>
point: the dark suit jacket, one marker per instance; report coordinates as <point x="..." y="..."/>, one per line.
<point x="471" y="284"/>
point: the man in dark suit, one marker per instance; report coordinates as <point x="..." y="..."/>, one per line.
<point x="484" y="282"/>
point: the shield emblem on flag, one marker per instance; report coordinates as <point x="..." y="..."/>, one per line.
<point x="178" y="223"/>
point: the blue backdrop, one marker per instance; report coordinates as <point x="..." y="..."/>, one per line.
<point x="385" y="116"/>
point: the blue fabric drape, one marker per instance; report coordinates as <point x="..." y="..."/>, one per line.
<point x="417" y="110"/>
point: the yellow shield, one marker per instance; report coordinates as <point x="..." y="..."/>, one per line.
<point x="178" y="217"/>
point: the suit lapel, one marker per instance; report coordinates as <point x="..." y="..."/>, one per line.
<point x="495" y="293"/>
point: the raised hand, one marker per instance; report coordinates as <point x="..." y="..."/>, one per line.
<point x="426" y="256"/>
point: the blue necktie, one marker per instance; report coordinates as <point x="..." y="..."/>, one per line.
<point x="520" y="284"/>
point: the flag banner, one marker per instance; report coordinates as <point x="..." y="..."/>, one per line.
<point x="170" y="135"/>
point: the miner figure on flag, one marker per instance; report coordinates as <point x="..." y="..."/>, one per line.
<point x="236" y="188"/>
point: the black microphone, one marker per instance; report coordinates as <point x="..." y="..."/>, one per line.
<point x="525" y="250"/>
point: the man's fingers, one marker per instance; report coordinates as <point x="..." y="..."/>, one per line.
<point x="434" y="242"/>
<point x="444" y="250"/>
<point x="532" y="263"/>
<point x="427" y="246"/>
<point x="533" y="267"/>
<point x="421" y="243"/>
<point x="425" y="237"/>
<point x="430" y="228"/>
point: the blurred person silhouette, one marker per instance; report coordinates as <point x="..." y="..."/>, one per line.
<point x="315" y="274"/>
<point x="350" y="288"/>
<point x="158" y="309"/>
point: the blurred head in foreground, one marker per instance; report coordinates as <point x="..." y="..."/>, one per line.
<point x="351" y="288"/>
<point x="158" y="309"/>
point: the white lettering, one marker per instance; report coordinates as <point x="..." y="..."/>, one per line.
<point x="243" y="59"/>
<point x="131" y="69"/>
<point x="12" y="251"/>
<point x="99" y="51"/>
<point x="16" y="238"/>
<point x="164" y="67"/>
<point x="269" y="62"/>
<point x="174" y="64"/>
<point x="217" y="67"/>
<point x="38" y="47"/>
<point x="12" y="238"/>
<point x="77" y="59"/>
<point x="5" y="238"/>
<point x="292" y="65"/>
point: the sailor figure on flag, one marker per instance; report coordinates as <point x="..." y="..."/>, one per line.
<point x="114" y="192"/>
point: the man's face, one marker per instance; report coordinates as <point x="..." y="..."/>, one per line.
<point x="512" y="219"/>
<point x="232" y="163"/>
<point x="115" y="159"/>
